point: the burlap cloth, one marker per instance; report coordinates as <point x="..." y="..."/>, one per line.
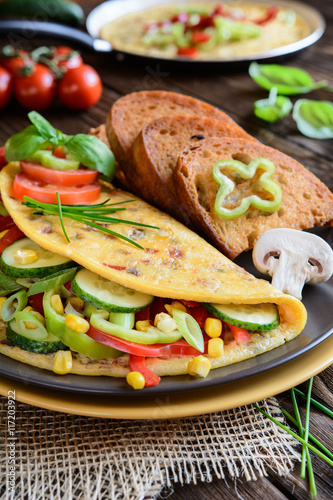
<point x="60" y="456"/>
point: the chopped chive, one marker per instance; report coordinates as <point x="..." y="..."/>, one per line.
<point x="61" y="219"/>
<point x="306" y="427"/>
<point x="284" y="427"/>
<point x="316" y="403"/>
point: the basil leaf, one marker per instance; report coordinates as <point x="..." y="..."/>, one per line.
<point x="45" y="129"/>
<point x="7" y="285"/>
<point x="52" y="281"/>
<point x="93" y="153"/>
<point x="22" y="145"/>
<point x="314" y="118"/>
<point x="287" y="80"/>
<point x="274" y="108"/>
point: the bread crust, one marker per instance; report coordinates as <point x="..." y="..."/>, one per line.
<point x="306" y="201"/>
<point x="156" y="150"/>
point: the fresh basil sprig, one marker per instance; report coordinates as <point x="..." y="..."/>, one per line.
<point x="314" y="118"/>
<point x="274" y="108"/>
<point x="87" y="149"/>
<point x="288" y="80"/>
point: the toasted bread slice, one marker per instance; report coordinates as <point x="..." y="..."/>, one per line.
<point x="306" y="201"/>
<point x="157" y="147"/>
<point x="132" y="112"/>
<point x="100" y="132"/>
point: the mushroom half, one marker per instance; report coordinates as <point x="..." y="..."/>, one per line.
<point x="293" y="258"/>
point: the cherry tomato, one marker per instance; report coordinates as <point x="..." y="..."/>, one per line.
<point x="200" y="37"/>
<point x="23" y="186"/>
<point x="36" y="301"/>
<point x="240" y="334"/>
<point x="187" y="51"/>
<point x="138" y="364"/>
<point x="37" y="90"/>
<point x="66" y="58"/>
<point x="200" y="314"/>
<point x="3" y="161"/>
<point x="15" y="64"/>
<point x="143" y="315"/>
<point x="80" y="88"/>
<point x="6" y="81"/>
<point x="12" y="235"/>
<point x="78" y="177"/>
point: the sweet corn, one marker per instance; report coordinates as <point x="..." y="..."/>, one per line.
<point x="2" y="301"/>
<point x="63" y="362"/>
<point x="213" y="327"/>
<point x="175" y="305"/>
<point x="199" y="366"/>
<point x="25" y="257"/>
<point x="76" y="323"/>
<point x="160" y="317"/>
<point x="136" y="380"/>
<point x="215" y="347"/>
<point x="142" y="326"/>
<point x="57" y="305"/>
<point x="167" y="325"/>
<point x="28" y="309"/>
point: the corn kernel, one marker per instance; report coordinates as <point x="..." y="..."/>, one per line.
<point x="136" y="380"/>
<point x="28" y="309"/>
<point x="215" y="347"/>
<point x="3" y="233"/>
<point x="213" y="327"/>
<point x="2" y="301"/>
<point x="25" y="257"/>
<point x="142" y="326"/>
<point x="63" y="362"/>
<point x="199" y="366"/>
<point x="160" y="317"/>
<point x="167" y="325"/>
<point x="57" y="305"/>
<point x="76" y="323"/>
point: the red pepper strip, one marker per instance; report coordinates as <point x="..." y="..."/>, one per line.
<point x="199" y="37"/>
<point x="3" y="161"/>
<point x="240" y="334"/>
<point x="269" y="16"/>
<point x="138" y="364"/>
<point x="200" y="314"/>
<point x="6" y="222"/>
<point x="179" y="348"/>
<point x="187" y="51"/>
<point x="36" y="301"/>
<point x="12" y="235"/>
<point x="59" y="153"/>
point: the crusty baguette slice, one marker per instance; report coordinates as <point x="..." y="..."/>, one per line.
<point x="306" y="201"/>
<point x="156" y="150"/>
<point x="132" y="112"/>
<point x="100" y="132"/>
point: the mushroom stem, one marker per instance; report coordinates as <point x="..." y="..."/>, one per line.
<point x="289" y="275"/>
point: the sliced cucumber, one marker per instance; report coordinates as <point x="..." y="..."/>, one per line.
<point x="50" y="344"/>
<point x="108" y="295"/>
<point x="249" y="316"/>
<point x="46" y="264"/>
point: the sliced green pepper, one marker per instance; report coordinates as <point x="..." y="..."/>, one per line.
<point x="47" y="159"/>
<point x="246" y="172"/>
<point x="79" y="342"/>
<point x="152" y="336"/>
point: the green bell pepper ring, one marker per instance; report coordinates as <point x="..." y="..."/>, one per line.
<point x="79" y="342"/>
<point x="151" y="336"/>
<point x="47" y="159"/>
<point x="246" y="172"/>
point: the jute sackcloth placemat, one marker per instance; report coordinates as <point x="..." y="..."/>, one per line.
<point x="61" y="456"/>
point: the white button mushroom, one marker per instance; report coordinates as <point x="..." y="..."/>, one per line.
<point x="293" y="258"/>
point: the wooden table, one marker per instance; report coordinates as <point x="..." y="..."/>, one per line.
<point x="234" y="93"/>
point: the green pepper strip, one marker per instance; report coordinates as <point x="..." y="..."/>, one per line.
<point x="152" y="336"/>
<point x="79" y="342"/>
<point x="246" y="172"/>
<point x="47" y="159"/>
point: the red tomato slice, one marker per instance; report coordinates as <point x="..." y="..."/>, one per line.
<point x="23" y="186"/>
<point x="157" y="306"/>
<point x="143" y="315"/>
<point x="3" y="161"/>
<point x="200" y="37"/>
<point x="78" y="177"/>
<point x="36" y="301"/>
<point x="12" y="235"/>
<point x="138" y="364"/>
<point x="6" y="222"/>
<point x="200" y="314"/>
<point x="240" y="334"/>
<point x="181" y="347"/>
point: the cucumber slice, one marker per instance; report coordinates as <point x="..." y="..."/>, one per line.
<point x="50" y="344"/>
<point x="108" y="295"/>
<point x="47" y="263"/>
<point x="249" y="316"/>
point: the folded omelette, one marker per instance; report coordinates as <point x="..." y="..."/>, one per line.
<point x="175" y="263"/>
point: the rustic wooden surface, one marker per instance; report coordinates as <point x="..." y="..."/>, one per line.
<point x="234" y="92"/>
